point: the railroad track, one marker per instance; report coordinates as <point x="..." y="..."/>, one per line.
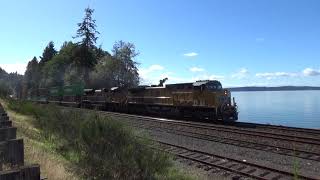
<point x="262" y="147"/>
<point x="211" y="127"/>
<point x="283" y="129"/>
<point x="312" y="135"/>
<point x="204" y="129"/>
<point x="173" y="127"/>
<point x="253" y="171"/>
<point x="240" y="168"/>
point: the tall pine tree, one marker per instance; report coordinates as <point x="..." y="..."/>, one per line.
<point x="47" y="54"/>
<point x="31" y="77"/>
<point x="84" y="55"/>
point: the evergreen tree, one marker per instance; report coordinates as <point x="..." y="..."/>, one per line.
<point x="87" y="30"/>
<point x="84" y="55"/>
<point x="31" y="76"/>
<point x="47" y="54"/>
<point x="57" y="68"/>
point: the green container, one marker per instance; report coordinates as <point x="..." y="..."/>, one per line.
<point x="73" y="90"/>
<point x="56" y="91"/>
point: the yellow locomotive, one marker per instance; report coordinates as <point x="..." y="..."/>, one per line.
<point x="200" y="100"/>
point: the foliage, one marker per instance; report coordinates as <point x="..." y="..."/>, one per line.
<point x="47" y="54"/>
<point x="102" y="76"/>
<point x="84" y="55"/>
<point x="125" y="156"/>
<point x="127" y="73"/>
<point x="31" y="77"/>
<point x="101" y="147"/>
<point x="23" y="107"/>
<point x="10" y="84"/>
<point x="87" y="30"/>
<point x="55" y="71"/>
<point x="5" y="90"/>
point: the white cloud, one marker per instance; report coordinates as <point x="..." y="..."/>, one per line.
<point x="242" y="73"/>
<point x="207" y="77"/>
<point x="191" y="54"/>
<point x="275" y="75"/>
<point x="145" y="71"/>
<point x="14" y="67"/>
<point x="150" y="75"/>
<point x="311" y="72"/>
<point x="196" y="69"/>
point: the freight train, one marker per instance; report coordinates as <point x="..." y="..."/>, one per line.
<point x="205" y="100"/>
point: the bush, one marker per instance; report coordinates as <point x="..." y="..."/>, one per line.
<point x="101" y="147"/>
<point x="124" y="155"/>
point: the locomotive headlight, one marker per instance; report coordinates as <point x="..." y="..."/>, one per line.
<point x="225" y="92"/>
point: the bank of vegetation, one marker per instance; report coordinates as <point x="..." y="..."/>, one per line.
<point x="97" y="146"/>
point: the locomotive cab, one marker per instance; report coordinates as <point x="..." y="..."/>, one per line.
<point x="211" y="94"/>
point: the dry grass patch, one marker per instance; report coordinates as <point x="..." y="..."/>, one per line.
<point x="52" y="165"/>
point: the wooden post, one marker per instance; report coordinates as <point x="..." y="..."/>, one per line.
<point x="12" y="152"/>
<point x="5" y="124"/>
<point x="4" y="118"/>
<point x="31" y="172"/>
<point x="8" y="133"/>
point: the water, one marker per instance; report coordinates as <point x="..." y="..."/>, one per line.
<point x="288" y="108"/>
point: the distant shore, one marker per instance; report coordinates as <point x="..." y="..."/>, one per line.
<point x="280" y="88"/>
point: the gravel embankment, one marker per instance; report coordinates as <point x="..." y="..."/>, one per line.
<point x="250" y="155"/>
<point x="220" y="133"/>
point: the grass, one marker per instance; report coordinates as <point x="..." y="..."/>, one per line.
<point x="76" y="144"/>
<point x="37" y="150"/>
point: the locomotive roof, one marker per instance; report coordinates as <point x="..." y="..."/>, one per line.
<point x="197" y="83"/>
<point x="177" y="85"/>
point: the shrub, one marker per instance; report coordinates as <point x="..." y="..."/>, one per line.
<point x="124" y="155"/>
<point x="101" y="147"/>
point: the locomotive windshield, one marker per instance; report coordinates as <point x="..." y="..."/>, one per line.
<point x="214" y="86"/>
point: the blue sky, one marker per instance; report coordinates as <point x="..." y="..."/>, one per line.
<point x="239" y="42"/>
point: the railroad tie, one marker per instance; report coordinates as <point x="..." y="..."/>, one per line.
<point x="241" y="168"/>
<point x="232" y="165"/>
<point x="205" y="158"/>
<point x="198" y="156"/>
<point x="224" y="163"/>
<point x="277" y="177"/>
<point x="265" y="174"/>
<point x="214" y="161"/>
<point x="251" y="171"/>
<point x="236" y="177"/>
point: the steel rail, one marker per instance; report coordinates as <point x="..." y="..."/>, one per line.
<point x="249" y="170"/>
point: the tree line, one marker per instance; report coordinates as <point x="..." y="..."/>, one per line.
<point x="10" y="83"/>
<point x="80" y="62"/>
